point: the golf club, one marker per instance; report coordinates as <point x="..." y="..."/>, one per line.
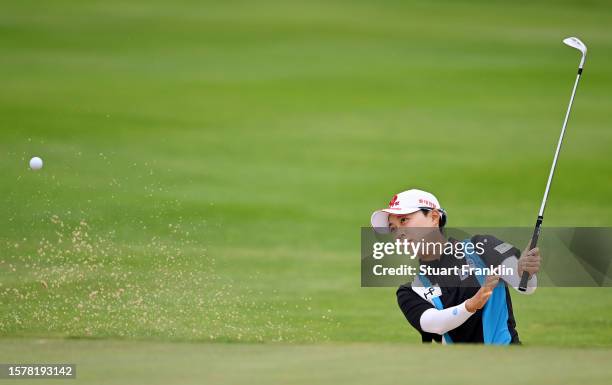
<point x="573" y="42"/>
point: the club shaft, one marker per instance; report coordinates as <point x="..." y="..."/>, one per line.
<point x="554" y="163"/>
<point x="536" y="230"/>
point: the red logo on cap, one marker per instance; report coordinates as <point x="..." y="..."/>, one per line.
<point x="426" y="202"/>
<point x="394" y="202"/>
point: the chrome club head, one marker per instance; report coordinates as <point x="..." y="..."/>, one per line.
<point x="574" y="42"/>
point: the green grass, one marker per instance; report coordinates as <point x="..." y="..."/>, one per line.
<point x="111" y="362"/>
<point x="208" y="166"/>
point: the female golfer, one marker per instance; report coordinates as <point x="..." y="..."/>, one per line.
<point x="456" y="308"/>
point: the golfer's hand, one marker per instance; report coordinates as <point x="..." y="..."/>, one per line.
<point x="482" y="296"/>
<point x="529" y="261"/>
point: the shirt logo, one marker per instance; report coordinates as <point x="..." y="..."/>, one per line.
<point x="503" y="248"/>
<point x="429" y="292"/>
<point x="432" y="292"/>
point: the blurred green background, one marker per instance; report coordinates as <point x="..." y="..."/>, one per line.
<point x="208" y="165"/>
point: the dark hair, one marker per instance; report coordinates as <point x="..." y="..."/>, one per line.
<point x="441" y="222"/>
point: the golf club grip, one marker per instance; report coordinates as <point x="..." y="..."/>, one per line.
<point x="534" y="242"/>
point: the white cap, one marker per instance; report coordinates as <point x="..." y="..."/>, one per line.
<point x="406" y="202"/>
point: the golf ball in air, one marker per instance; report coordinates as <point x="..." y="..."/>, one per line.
<point x="36" y="163"/>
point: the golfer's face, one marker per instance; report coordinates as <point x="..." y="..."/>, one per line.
<point x="412" y="226"/>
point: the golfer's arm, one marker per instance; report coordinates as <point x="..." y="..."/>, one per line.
<point x="515" y="279"/>
<point x="441" y="321"/>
